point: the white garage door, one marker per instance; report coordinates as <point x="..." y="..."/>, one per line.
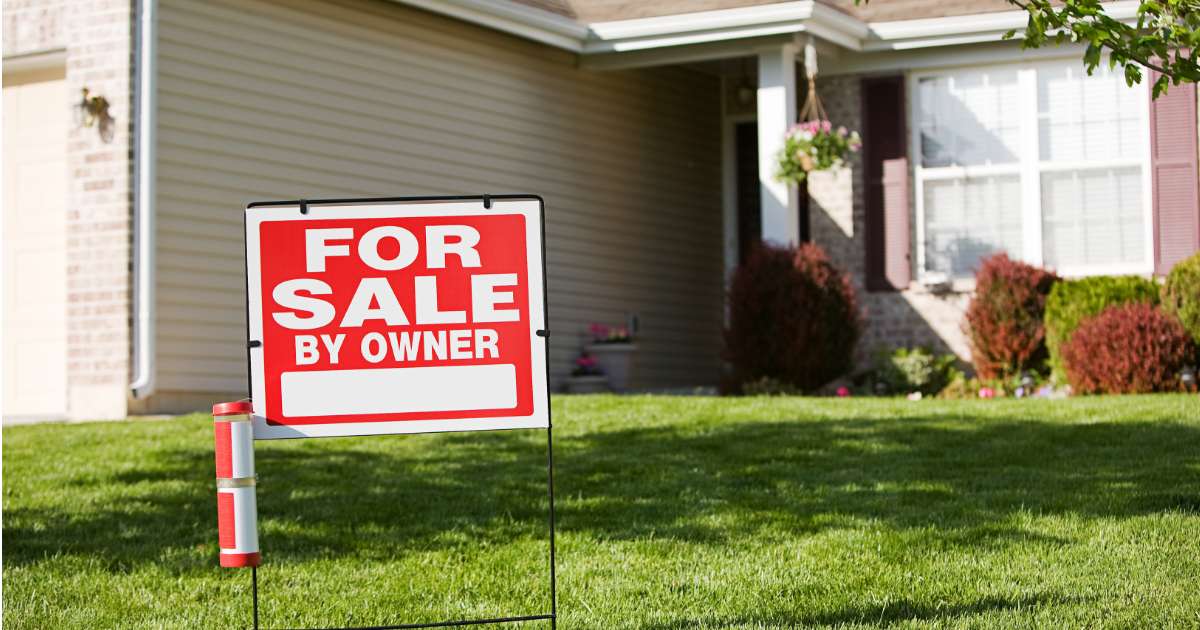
<point x="36" y="112"/>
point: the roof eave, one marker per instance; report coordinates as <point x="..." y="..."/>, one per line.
<point x="753" y="22"/>
<point x="726" y="24"/>
<point x="513" y="18"/>
<point x="963" y="29"/>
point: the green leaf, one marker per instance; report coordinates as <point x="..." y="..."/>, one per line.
<point x="1091" y="57"/>
<point x="1133" y="74"/>
<point x="1160" y="86"/>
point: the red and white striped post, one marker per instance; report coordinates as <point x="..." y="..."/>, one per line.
<point x="237" y="509"/>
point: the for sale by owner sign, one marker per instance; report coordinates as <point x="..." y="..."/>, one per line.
<point x="396" y="316"/>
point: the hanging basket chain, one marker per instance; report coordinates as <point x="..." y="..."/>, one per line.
<point x="813" y="109"/>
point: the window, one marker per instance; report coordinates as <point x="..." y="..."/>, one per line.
<point x="1043" y="162"/>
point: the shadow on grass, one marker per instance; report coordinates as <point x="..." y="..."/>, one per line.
<point x="731" y="483"/>
<point x="881" y="614"/>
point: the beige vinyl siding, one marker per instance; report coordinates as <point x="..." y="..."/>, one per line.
<point x="281" y="100"/>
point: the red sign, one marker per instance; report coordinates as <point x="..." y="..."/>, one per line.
<point x="396" y="317"/>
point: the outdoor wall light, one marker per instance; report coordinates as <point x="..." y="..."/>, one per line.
<point x="92" y="111"/>
<point x="745" y="94"/>
<point x="746" y="90"/>
<point x="1187" y="378"/>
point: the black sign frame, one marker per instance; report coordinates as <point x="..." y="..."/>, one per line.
<point x="543" y="332"/>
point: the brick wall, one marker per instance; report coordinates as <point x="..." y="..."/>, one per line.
<point x="838" y="216"/>
<point x="33" y="26"/>
<point x="97" y="36"/>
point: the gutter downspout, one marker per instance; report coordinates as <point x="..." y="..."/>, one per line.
<point x="144" y="157"/>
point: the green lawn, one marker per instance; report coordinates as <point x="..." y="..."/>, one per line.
<point x="673" y="513"/>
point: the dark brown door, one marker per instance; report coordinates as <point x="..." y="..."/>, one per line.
<point x="749" y="214"/>
<point x="749" y="218"/>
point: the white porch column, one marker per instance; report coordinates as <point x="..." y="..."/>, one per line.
<point x="776" y="112"/>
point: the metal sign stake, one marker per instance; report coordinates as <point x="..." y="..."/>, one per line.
<point x="552" y="617"/>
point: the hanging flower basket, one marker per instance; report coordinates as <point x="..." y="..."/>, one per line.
<point x="814" y="146"/>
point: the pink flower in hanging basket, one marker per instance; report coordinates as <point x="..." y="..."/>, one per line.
<point x="814" y="145"/>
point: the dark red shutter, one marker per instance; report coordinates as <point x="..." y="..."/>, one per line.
<point x="1176" y="176"/>
<point x="896" y="242"/>
<point x="885" y="170"/>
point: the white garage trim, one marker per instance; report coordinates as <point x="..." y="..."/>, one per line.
<point x="32" y="62"/>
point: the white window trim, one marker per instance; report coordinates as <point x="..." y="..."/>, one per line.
<point x="1030" y="167"/>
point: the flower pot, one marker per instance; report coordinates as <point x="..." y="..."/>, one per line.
<point x="589" y="384"/>
<point x="616" y="361"/>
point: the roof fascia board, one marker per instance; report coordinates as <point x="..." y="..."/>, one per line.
<point x="941" y="57"/>
<point x="653" y="57"/>
<point x="963" y="29"/>
<point x="726" y="24"/>
<point x="708" y="27"/>
<point x="701" y="37"/>
<point x="513" y="18"/>
<point x="702" y="21"/>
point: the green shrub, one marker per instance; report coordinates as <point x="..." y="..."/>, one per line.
<point x="1181" y="295"/>
<point x="1072" y="301"/>
<point x="961" y="388"/>
<point x="916" y="370"/>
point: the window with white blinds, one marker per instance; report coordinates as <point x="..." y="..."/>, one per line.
<point x="1043" y="162"/>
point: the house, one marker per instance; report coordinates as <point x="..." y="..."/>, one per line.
<point x="650" y="127"/>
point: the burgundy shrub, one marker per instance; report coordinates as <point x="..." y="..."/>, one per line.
<point x="1130" y="348"/>
<point x="1004" y="319"/>
<point x="793" y="317"/>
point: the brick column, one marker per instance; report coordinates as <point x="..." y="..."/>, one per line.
<point x="99" y="36"/>
<point x="838" y="214"/>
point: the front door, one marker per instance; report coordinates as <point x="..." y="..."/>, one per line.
<point x="749" y="213"/>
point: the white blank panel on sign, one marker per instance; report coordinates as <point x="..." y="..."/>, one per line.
<point x="399" y="390"/>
